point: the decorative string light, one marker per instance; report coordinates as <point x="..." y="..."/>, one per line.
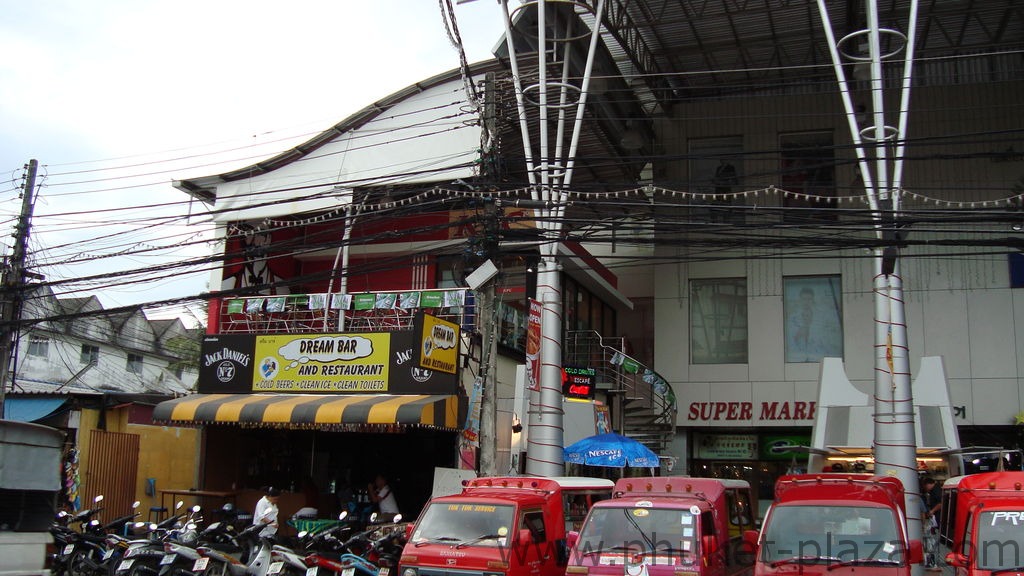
<point x="647" y="191"/>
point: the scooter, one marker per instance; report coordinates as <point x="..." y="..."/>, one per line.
<point x="143" y="556"/>
<point x="363" y="555"/>
<point x="258" y="561"/>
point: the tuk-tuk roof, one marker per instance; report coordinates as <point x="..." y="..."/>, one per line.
<point x="675" y="487"/>
<point x="828" y="487"/>
<point x="538" y="483"/>
<point x="1006" y="484"/>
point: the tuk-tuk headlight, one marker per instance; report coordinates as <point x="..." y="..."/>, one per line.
<point x="409" y="572"/>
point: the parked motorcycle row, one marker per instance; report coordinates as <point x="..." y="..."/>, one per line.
<point x="179" y="546"/>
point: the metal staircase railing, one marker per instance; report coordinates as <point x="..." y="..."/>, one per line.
<point x="647" y="411"/>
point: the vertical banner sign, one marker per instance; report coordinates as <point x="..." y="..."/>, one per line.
<point x="471" y="433"/>
<point x="533" y="346"/>
<point x="438" y="344"/>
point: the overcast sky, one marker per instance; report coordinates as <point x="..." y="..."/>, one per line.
<point x="117" y="98"/>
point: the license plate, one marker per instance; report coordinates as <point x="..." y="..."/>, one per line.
<point x="311" y="571"/>
<point x="350" y="571"/>
<point x="168" y="559"/>
<point x="125" y="564"/>
<point x="69" y="549"/>
<point x="200" y="564"/>
<point x="275" y="567"/>
<point x="384" y="571"/>
<point x="108" y="554"/>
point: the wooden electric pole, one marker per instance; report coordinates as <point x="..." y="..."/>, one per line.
<point x="14" y="282"/>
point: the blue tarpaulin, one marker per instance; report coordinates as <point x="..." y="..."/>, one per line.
<point x="30" y="409"/>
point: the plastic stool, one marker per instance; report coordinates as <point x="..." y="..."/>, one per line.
<point x="158" y="511"/>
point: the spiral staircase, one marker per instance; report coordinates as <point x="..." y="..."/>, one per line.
<point x="642" y="403"/>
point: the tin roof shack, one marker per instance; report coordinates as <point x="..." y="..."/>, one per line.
<point x="514" y="526"/>
<point x="982" y="522"/>
<point x="666" y="524"/>
<point x="835" y="524"/>
<point x="29" y="482"/>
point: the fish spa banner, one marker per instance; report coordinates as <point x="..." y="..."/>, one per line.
<point x="373" y="362"/>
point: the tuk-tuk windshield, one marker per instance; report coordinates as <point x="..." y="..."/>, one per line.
<point x="1001" y="540"/>
<point x="816" y="533"/>
<point x="464" y="523"/>
<point x="638" y="530"/>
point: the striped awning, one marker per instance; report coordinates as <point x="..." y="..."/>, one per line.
<point x="340" y="412"/>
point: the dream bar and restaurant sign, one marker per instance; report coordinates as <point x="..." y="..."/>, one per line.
<point x="438" y="343"/>
<point x="375" y="362"/>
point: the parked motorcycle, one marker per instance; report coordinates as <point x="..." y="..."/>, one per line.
<point x="143" y="556"/>
<point x="367" y="553"/>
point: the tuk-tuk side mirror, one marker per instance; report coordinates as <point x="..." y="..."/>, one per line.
<point x="571" y="539"/>
<point x="524" y="537"/>
<point x="709" y="544"/>
<point x="750" y="540"/>
<point x="408" y="531"/>
<point x="916" y="552"/>
<point x="956" y="560"/>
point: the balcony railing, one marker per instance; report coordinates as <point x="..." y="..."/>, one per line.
<point x="322" y="313"/>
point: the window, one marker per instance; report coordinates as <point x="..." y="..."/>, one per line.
<point x="813" y="308"/>
<point x="716" y="172"/>
<point x="807" y="167"/>
<point x="134" y="363"/>
<point x="90" y="354"/>
<point x="718" y="321"/>
<point x="534" y="522"/>
<point x="38" y="346"/>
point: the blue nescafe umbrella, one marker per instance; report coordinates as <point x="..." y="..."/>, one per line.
<point x="610" y="450"/>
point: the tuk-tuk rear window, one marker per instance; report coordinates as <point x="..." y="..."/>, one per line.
<point x="466" y="523"/>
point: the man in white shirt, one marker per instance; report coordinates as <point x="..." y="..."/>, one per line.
<point x="381" y="494"/>
<point x="266" y="512"/>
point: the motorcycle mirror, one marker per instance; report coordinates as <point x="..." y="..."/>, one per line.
<point x="153" y="526"/>
<point x="397" y="518"/>
<point x="94" y="523"/>
<point x="136" y="504"/>
<point x="140" y="524"/>
<point x="196" y="508"/>
<point x="179" y="504"/>
<point x="190" y="526"/>
<point x="62" y="514"/>
<point x="98" y="498"/>
<point x="343" y="515"/>
<point x="303" y="534"/>
<point x="373" y="517"/>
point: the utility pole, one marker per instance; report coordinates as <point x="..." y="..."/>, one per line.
<point x="14" y="281"/>
<point x="489" y="362"/>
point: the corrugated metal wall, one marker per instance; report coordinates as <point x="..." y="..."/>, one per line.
<point x="113" y="465"/>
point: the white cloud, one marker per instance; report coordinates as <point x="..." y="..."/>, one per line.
<point x="132" y="80"/>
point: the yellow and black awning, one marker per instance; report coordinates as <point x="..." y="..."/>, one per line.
<point x="339" y="412"/>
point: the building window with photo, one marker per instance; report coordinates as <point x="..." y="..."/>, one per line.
<point x="38" y="346"/>
<point x="90" y="354"/>
<point x="813" y="308"/>
<point x="807" y="168"/>
<point x="134" y="363"/>
<point x="718" y="321"/>
<point x="716" y="173"/>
